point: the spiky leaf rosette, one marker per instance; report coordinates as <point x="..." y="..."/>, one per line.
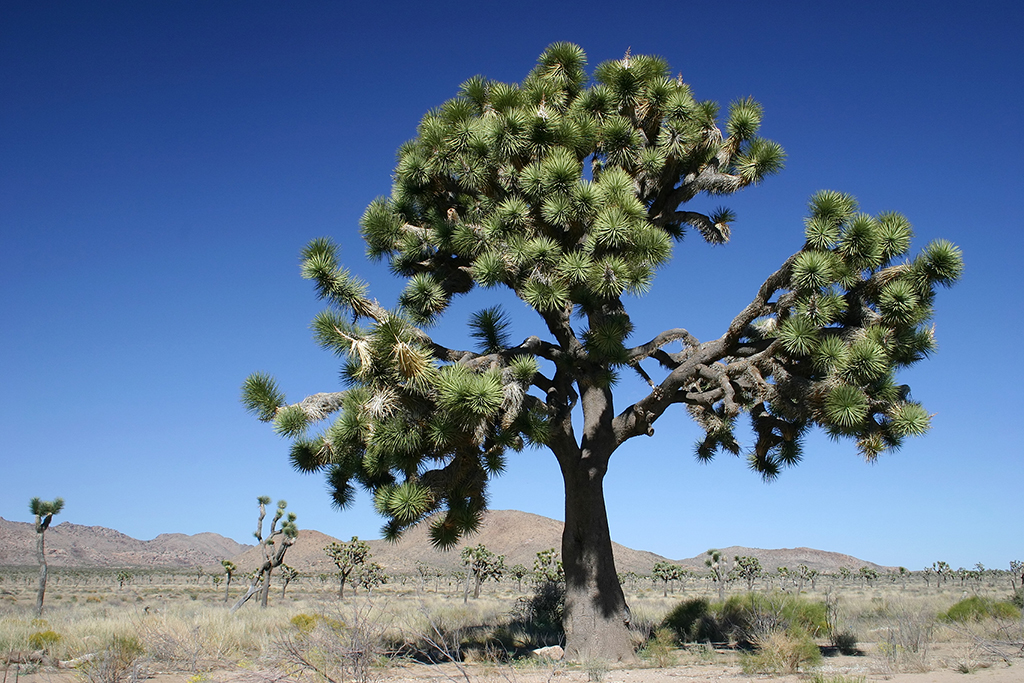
<point x="847" y="315"/>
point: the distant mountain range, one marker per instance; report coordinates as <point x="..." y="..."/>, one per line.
<point x="519" y="536"/>
<point x="75" y="545"/>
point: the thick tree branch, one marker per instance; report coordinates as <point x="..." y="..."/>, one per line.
<point x="638" y="353"/>
<point x="758" y="307"/>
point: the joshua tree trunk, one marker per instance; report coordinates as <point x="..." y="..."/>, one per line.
<point x="41" y="554"/>
<point x="596" y="617"/>
<point x="265" y="593"/>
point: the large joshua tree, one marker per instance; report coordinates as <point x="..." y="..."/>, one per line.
<point x="570" y="192"/>
<point x="44" y="510"/>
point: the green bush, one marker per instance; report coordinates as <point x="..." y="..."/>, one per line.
<point x="845" y="642"/>
<point x="43" y="640"/>
<point x="693" y="622"/>
<point x="305" y="623"/>
<point x="977" y="608"/>
<point x="660" y="648"/>
<point x="116" y="662"/>
<point x="781" y="652"/>
<point x="537" y="619"/>
<point x="741" y="618"/>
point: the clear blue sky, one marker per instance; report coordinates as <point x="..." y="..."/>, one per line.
<point x="162" y="164"/>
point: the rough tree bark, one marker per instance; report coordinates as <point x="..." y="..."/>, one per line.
<point x="596" y="618"/>
<point x="41" y="555"/>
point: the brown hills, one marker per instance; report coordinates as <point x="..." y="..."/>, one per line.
<point x="519" y="536"/>
<point x="820" y="560"/>
<point x="75" y="545"/>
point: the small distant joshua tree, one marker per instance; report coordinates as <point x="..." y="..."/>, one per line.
<point x="347" y="557"/>
<point x="718" y="571"/>
<point x="44" y="512"/>
<point x="666" y="572"/>
<point x="518" y="572"/>
<point x="806" y="575"/>
<point x="371" y="575"/>
<point x="547" y="568"/>
<point x="483" y="565"/>
<point x="1016" y="572"/>
<point x="274" y="546"/>
<point x="229" y="571"/>
<point x="288" y="574"/>
<point x="747" y="568"/>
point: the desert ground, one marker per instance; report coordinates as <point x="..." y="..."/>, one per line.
<point x="170" y="626"/>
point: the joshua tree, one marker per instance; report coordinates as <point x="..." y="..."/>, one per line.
<point x="347" y="557"/>
<point x="942" y="572"/>
<point x="784" y="576"/>
<point x="868" y="574"/>
<point x="1016" y="573"/>
<point x="44" y="512"/>
<point x="518" y="572"/>
<point x="547" y="568"/>
<point x="288" y="574"/>
<point x="229" y="571"/>
<point x="483" y="565"/>
<point x="666" y="572"/>
<point x="273" y="547"/>
<point x="747" y="568"/>
<point x="803" y="575"/>
<point x="719" y="571"/>
<point x="371" y="575"/>
<point x="570" y="193"/>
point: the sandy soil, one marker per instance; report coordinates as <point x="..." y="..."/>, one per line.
<point x="851" y="668"/>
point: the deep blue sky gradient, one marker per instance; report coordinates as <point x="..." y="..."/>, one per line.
<point x="162" y="164"/>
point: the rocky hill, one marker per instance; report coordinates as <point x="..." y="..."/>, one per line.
<point x="820" y="560"/>
<point x="75" y="545"/>
<point x="519" y="536"/>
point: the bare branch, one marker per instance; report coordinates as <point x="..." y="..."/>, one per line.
<point x="638" y="353"/>
<point x="759" y="306"/>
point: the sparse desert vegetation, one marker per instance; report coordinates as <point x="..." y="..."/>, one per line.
<point x="109" y="625"/>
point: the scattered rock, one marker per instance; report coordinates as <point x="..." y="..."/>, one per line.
<point x="552" y="652"/>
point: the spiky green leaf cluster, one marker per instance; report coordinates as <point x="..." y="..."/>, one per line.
<point x="857" y="310"/>
<point x="556" y="187"/>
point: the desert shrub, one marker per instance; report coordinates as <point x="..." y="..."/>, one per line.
<point x="845" y="642"/>
<point x="1018" y="598"/>
<point x="781" y="652"/>
<point x="333" y="648"/>
<point x="977" y="608"/>
<point x="693" y="621"/>
<point x="304" y="622"/>
<point x="765" y="613"/>
<point x="660" y="649"/>
<point x="536" y="620"/>
<point x="117" y="660"/>
<point x="743" y="618"/>
<point x="820" y="677"/>
<point x="43" y="640"/>
<point x="906" y="638"/>
<point x="307" y="622"/>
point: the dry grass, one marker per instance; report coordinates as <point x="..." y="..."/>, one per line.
<point x="185" y="626"/>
